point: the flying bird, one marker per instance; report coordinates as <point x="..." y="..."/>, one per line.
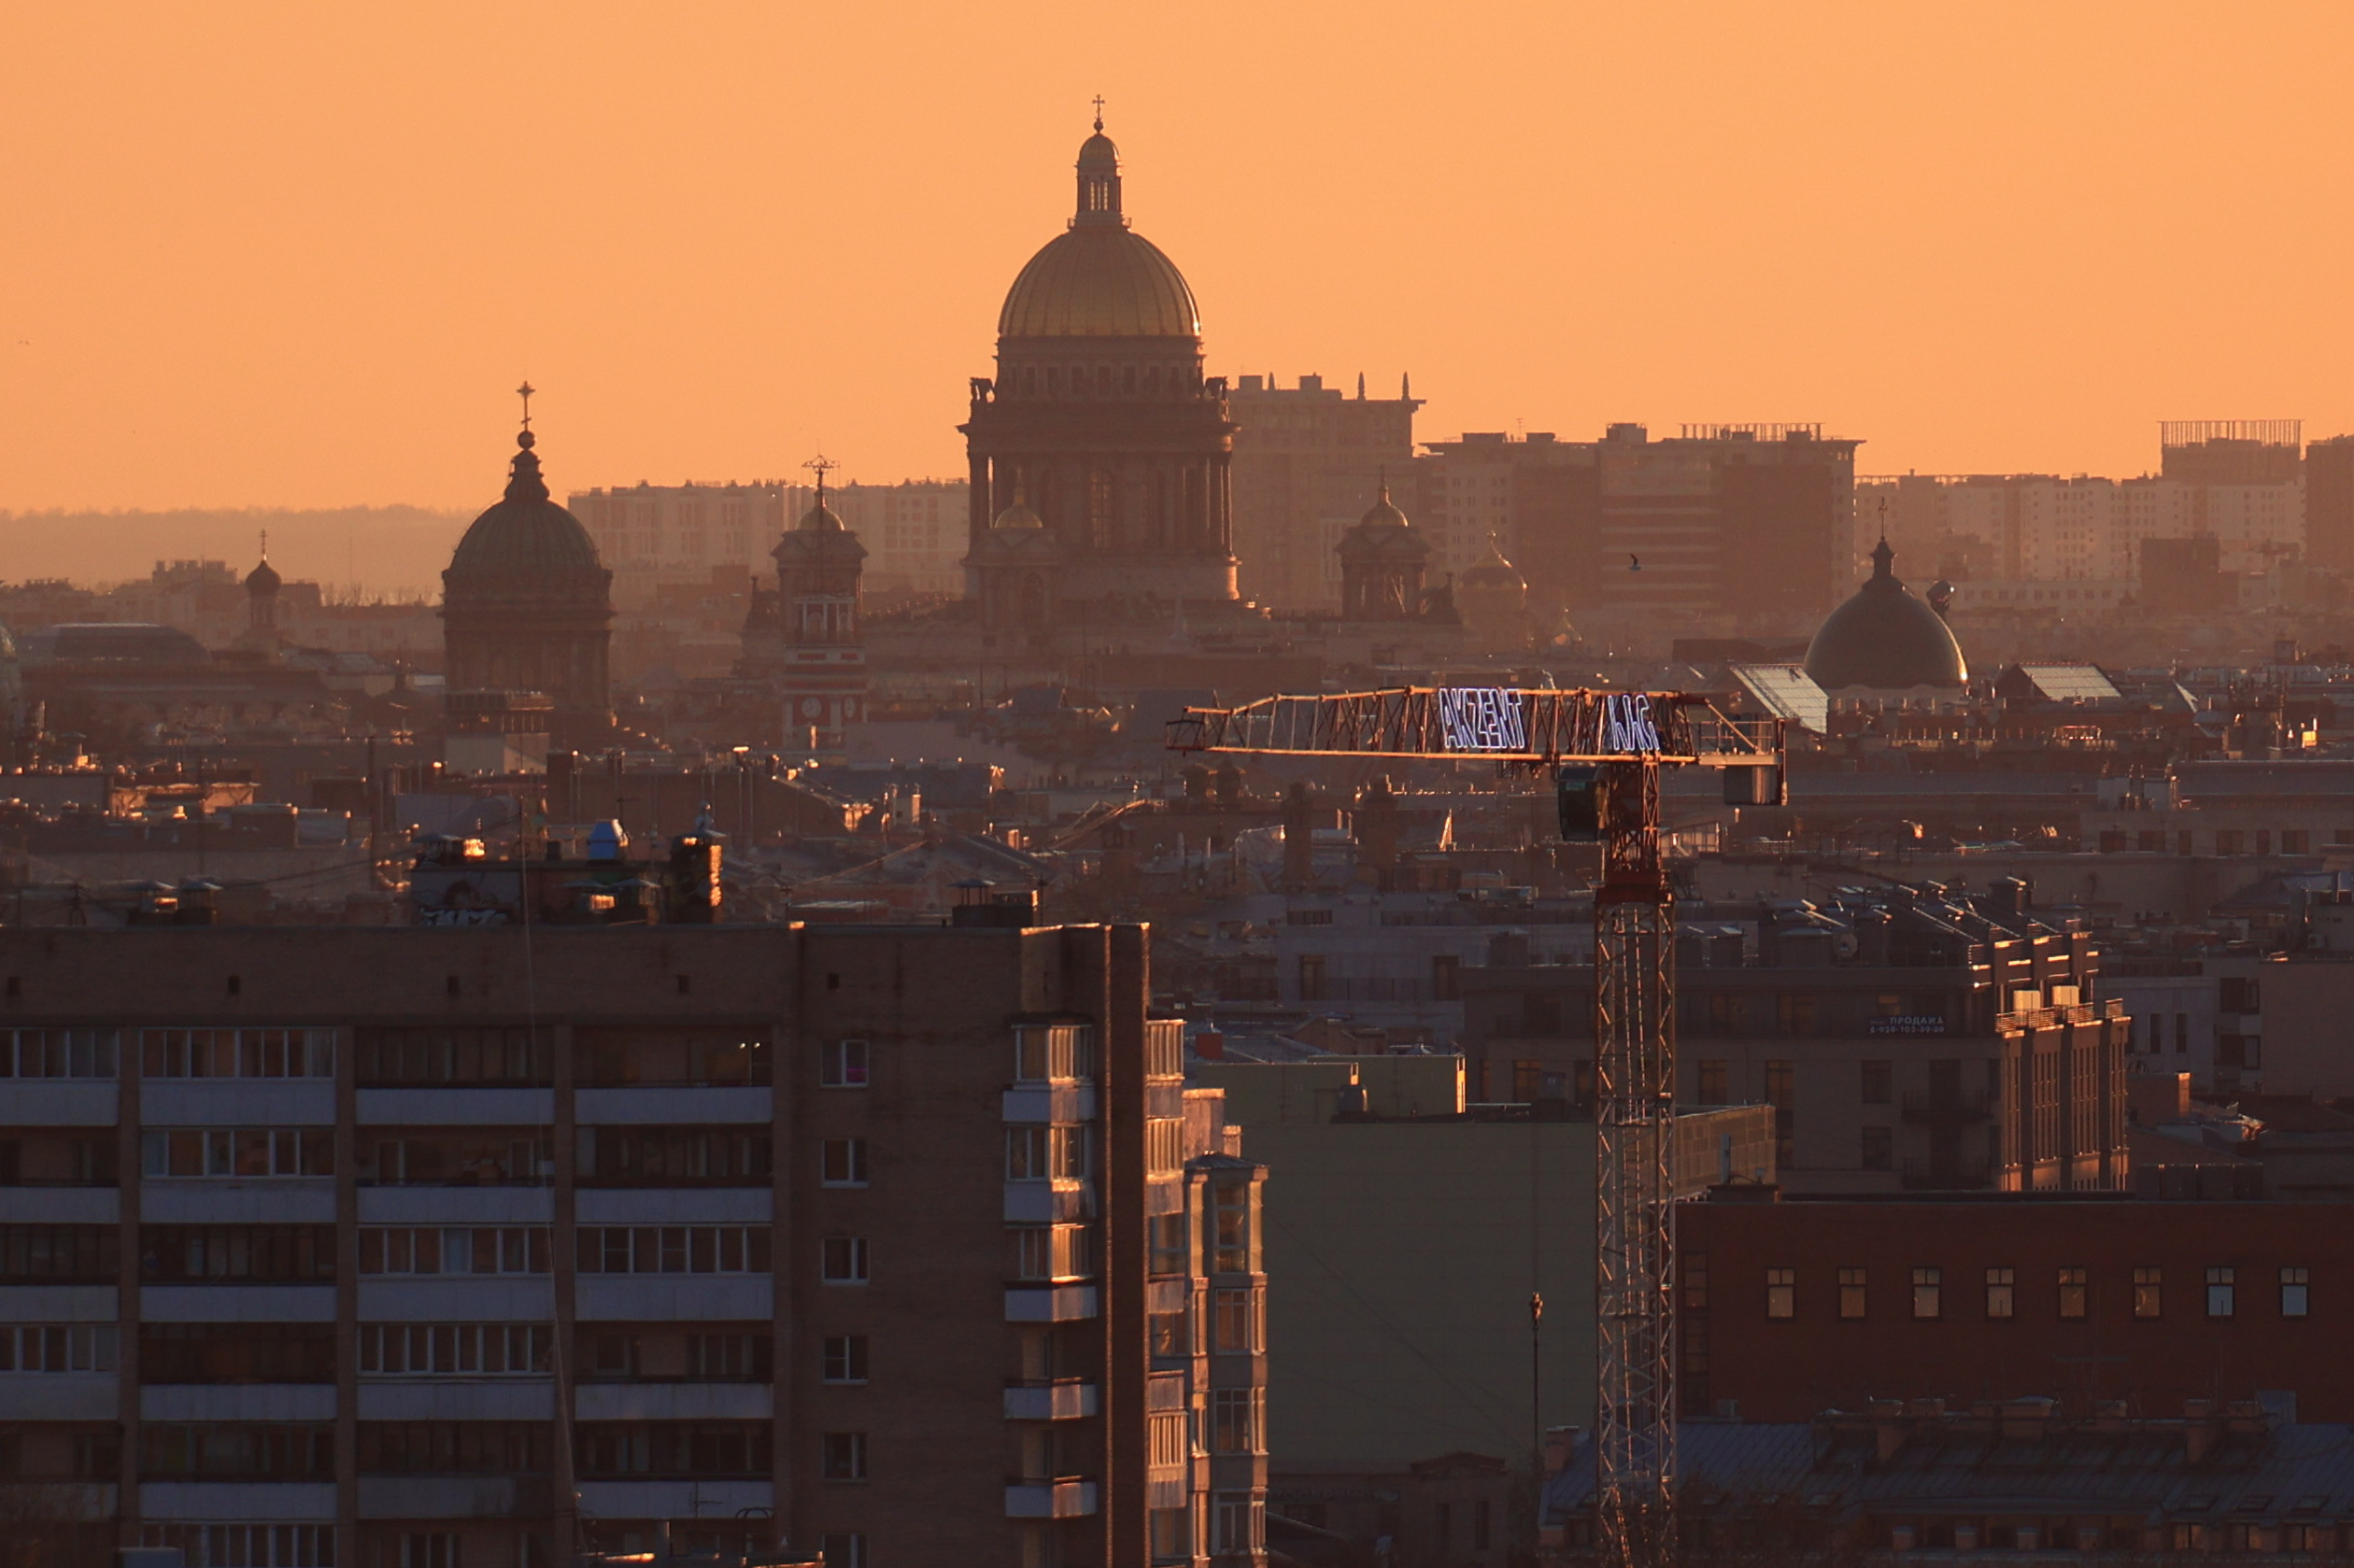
<point x="1634" y="561"/>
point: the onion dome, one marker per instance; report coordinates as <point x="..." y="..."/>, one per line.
<point x="1018" y="516"/>
<point x="528" y="542"/>
<point x="1383" y="532"/>
<point x="263" y="579"/>
<point x="1883" y="637"/>
<point x="1492" y="571"/>
<point x="1100" y="278"/>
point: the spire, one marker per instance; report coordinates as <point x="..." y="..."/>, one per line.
<point x="1099" y="178"/>
<point x="1883" y="560"/>
<point x="1360" y="386"/>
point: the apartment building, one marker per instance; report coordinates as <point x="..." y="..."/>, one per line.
<point x="653" y="535"/>
<point x="1739" y="522"/>
<point x="1909" y="1039"/>
<point x="460" y="1247"/>
<point x="1308" y="462"/>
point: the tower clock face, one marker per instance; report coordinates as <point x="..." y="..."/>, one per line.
<point x="812" y="707"/>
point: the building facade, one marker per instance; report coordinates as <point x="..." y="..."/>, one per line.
<point x="388" y="1247"/>
<point x="1729" y="522"/>
<point x="1308" y="462"/>
<point x="1794" y="1308"/>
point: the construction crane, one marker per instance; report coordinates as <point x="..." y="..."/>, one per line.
<point x="1605" y="750"/>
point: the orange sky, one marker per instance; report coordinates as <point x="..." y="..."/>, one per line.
<point x="297" y="254"/>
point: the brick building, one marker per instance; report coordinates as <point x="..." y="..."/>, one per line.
<point x="1907" y="1039"/>
<point x="1791" y="1309"/>
<point x="388" y="1246"/>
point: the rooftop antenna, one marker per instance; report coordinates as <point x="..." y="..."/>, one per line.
<point x="525" y="391"/>
<point x="1098" y="108"/>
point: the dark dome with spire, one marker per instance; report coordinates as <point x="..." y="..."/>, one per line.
<point x="528" y="540"/>
<point x="1885" y="638"/>
<point x="262" y="579"/>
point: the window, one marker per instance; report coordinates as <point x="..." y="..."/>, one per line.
<point x="1164" y="1145"/>
<point x="1851" y="1292"/>
<point x="842" y="1065"/>
<point x="1052" y="1252"/>
<point x="454" y="1349"/>
<point x="2074" y="1292"/>
<point x="1878" y="1078"/>
<point x="675" y="1157"/>
<point x="235" y="1546"/>
<point x="842" y="1163"/>
<point x="1879" y="1149"/>
<point x="238" y="1052"/>
<point x="1928" y="1291"/>
<point x="1166" y="1334"/>
<point x="673" y="1250"/>
<point x="239" y="1451"/>
<point x="624" y="1059"/>
<point x="2147" y="1284"/>
<point x="454" y="1250"/>
<point x="2001" y="1284"/>
<point x="1237" y="1522"/>
<point x="1167" y="1436"/>
<point x="1724" y="1013"/>
<point x="1164" y="1048"/>
<point x="1710" y="1084"/>
<point x="845" y="1358"/>
<point x="246" y="1152"/>
<point x="1795" y="1013"/>
<point x="1237" y="1418"/>
<point x="683" y="1449"/>
<point x="1035" y="1151"/>
<point x="1781" y="1292"/>
<point x="58" y="1346"/>
<point x="843" y="1456"/>
<point x="1311" y="976"/>
<point x="1236" y="1319"/>
<point x="237" y="1353"/>
<point x="1171" y="1252"/>
<point x="1233" y="1218"/>
<point x="59" y="1052"/>
<point x="1444" y="985"/>
<point x="1045" y="1053"/>
<point x="843" y="1260"/>
<point x="2221" y="1292"/>
<point x="2294" y="1301"/>
<point x="249" y="1254"/>
<point x="1692" y="1274"/>
<point x="491" y="1056"/>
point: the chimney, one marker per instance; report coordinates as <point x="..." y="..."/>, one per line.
<point x="1888" y="1428"/>
<point x="1299" y="839"/>
<point x="2200" y="1429"/>
<point x="2025" y="1419"/>
<point x="1210" y="1045"/>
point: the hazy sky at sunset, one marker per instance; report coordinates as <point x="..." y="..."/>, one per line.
<point x="298" y="254"/>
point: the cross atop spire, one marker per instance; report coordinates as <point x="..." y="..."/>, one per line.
<point x="1098" y="108"/>
<point x="265" y="544"/>
<point x="525" y="391"/>
<point x="821" y="465"/>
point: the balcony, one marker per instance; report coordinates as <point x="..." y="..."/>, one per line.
<point x="1946" y="1176"/>
<point x="1067" y="1498"/>
<point x="1050" y="1304"/>
<point x="1056" y="1400"/>
<point x="1948" y="1107"/>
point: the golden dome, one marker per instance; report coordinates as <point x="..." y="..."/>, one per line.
<point x="1100" y="278"/>
<point x="1018" y="516"/>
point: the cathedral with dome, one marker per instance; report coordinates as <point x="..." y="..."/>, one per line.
<point x="527" y="608"/>
<point x="1099" y="451"/>
<point x="1883" y="639"/>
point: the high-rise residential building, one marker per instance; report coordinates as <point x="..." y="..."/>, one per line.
<point x="387" y="1247"/>
<point x="1724" y="521"/>
<point x="1308" y="462"/>
<point x="2329" y="498"/>
<point x="657" y="534"/>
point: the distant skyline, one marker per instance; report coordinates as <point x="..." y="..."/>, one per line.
<point x="275" y="255"/>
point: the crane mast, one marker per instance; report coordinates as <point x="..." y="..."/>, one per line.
<point x="1606" y="750"/>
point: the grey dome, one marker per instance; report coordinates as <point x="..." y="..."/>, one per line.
<point x="1884" y="636"/>
<point x="527" y="539"/>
